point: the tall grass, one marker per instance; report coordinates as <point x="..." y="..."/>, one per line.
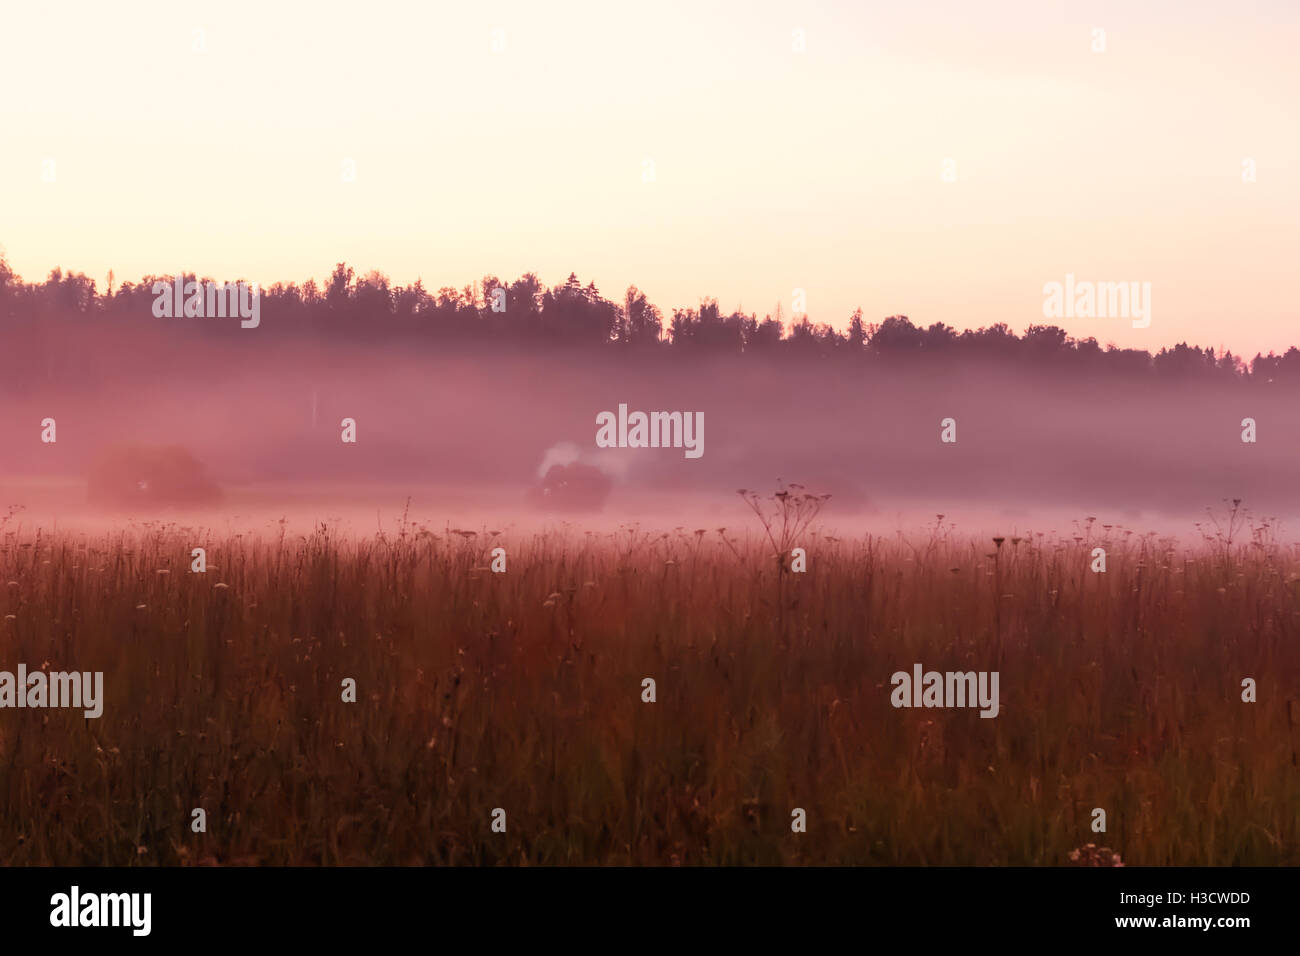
<point x="522" y="691"/>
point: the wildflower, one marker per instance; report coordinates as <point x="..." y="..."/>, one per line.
<point x="1092" y="855"/>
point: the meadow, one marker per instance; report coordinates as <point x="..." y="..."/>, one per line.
<point x="522" y="690"/>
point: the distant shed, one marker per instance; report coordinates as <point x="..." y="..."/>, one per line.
<point x="575" y="487"/>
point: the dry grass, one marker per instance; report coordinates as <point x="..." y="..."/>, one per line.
<point x="523" y="691"/>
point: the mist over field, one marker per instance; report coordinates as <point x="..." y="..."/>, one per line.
<point x="575" y="435"/>
<point x="465" y="434"/>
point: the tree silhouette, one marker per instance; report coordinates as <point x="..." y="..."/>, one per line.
<point x="525" y="313"/>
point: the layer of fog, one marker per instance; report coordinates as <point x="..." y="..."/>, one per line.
<point x="465" y="437"/>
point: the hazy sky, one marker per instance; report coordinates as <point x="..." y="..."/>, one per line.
<point x="222" y="151"/>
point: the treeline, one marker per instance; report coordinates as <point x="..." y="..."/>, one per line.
<point x="526" y="314"/>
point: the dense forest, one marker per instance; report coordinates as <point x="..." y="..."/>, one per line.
<point x="526" y="315"/>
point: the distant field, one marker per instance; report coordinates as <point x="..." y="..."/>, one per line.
<point x="523" y="691"/>
<point x="366" y="508"/>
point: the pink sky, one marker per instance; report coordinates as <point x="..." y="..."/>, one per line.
<point x="212" y="137"/>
